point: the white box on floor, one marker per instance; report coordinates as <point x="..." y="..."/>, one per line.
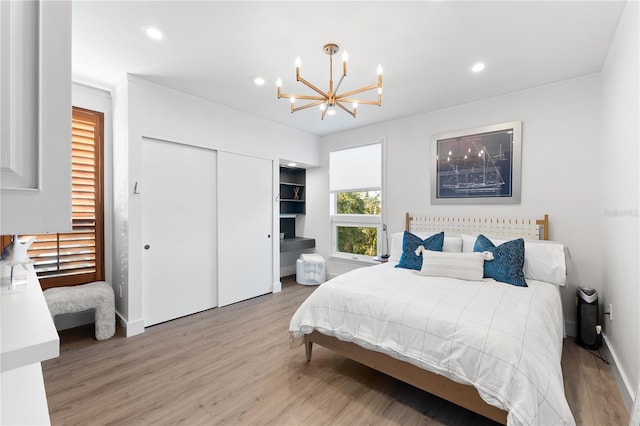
<point x="310" y="269"/>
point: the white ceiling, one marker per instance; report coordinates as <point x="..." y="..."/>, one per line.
<point x="213" y="49"/>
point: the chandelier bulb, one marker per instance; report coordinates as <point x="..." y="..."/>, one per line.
<point x="379" y="69"/>
<point x="279" y="82"/>
<point x="345" y="56"/>
<point x="298" y="62"/>
<point x="293" y="100"/>
<point x="379" y="90"/>
<point x="355" y="105"/>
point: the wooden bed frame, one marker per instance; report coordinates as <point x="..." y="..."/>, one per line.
<point x="463" y="395"/>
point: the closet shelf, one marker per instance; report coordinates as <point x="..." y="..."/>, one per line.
<point x="292" y="191"/>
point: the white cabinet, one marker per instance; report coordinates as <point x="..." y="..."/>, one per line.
<point x="24" y="401"/>
<point x="35" y="131"/>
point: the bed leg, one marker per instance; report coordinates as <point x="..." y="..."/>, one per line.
<point x="308" y="346"/>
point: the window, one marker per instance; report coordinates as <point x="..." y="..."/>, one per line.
<point x="77" y="257"/>
<point x="355" y="176"/>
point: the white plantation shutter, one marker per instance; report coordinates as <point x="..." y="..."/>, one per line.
<point x="77" y="257"/>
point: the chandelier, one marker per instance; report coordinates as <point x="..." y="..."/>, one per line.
<point x="329" y="99"/>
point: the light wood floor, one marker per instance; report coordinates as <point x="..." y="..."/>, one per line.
<point x="233" y="365"/>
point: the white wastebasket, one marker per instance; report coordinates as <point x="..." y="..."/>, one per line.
<point x="310" y="269"/>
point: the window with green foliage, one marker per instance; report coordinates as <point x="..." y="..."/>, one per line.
<point x="367" y="202"/>
<point x="358" y="239"/>
<point x="356" y="200"/>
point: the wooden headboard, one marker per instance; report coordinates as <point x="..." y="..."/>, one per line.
<point x="509" y="227"/>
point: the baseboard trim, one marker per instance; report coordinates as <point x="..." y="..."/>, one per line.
<point x="570" y="328"/>
<point x="287" y="270"/>
<point x="624" y="385"/>
<point x="130" y="328"/>
<point x="277" y="287"/>
<point x="626" y="390"/>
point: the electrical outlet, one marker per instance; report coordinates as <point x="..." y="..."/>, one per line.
<point x="610" y="312"/>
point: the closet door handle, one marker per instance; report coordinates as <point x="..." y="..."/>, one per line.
<point x="147" y="246"/>
<point x="268" y="235"/>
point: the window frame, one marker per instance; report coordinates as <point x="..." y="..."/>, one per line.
<point x="355" y="222"/>
<point x="360" y="220"/>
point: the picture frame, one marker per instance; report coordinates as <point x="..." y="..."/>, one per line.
<point x="477" y="166"/>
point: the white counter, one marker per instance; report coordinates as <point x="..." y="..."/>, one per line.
<point x="28" y="334"/>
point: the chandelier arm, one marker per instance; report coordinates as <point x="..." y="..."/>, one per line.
<point x="363" y="102"/>
<point x="353" y="92"/>
<point x="305" y="97"/>
<point x="339" y="83"/>
<point x="322" y="113"/>
<point x="352" y="113"/>
<point x="309" y="105"/>
<point x="312" y="87"/>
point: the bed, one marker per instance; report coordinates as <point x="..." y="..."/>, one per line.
<point x="490" y="347"/>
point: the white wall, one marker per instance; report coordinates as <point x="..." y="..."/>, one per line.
<point x="619" y="211"/>
<point x="120" y="224"/>
<point x="158" y="112"/>
<point x="560" y="170"/>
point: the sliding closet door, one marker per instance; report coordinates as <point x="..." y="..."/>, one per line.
<point x="178" y="193"/>
<point x="245" y="191"/>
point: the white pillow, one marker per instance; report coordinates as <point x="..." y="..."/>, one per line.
<point x="396" y="247"/>
<point x="543" y="260"/>
<point x="468" y="241"/>
<point x="451" y="244"/>
<point x="464" y="266"/>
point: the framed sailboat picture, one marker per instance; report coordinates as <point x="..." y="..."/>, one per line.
<point x="477" y="166"/>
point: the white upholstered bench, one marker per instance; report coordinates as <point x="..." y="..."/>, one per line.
<point x="97" y="296"/>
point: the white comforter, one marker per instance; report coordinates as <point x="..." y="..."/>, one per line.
<point x="506" y="341"/>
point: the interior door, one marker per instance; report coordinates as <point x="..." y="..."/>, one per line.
<point x="178" y="192"/>
<point x="245" y="211"/>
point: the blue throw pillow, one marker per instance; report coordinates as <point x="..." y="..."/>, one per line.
<point x="411" y="242"/>
<point x="507" y="263"/>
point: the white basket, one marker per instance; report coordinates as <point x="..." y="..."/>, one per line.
<point x="310" y="269"/>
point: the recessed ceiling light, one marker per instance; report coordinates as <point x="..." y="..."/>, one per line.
<point x="478" y="67"/>
<point x="152" y="32"/>
<point x="258" y="81"/>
